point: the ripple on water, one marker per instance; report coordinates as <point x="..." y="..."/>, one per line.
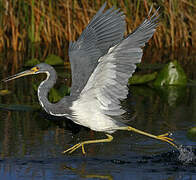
<point x="186" y="154"/>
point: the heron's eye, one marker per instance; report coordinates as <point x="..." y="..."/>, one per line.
<point x="35" y="69"/>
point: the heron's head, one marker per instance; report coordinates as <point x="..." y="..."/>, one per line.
<point x="39" y="68"/>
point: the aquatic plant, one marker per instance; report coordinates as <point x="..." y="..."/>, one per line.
<point x="25" y="22"/>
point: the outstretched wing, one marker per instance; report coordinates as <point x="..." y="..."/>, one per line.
<point x="104" y="31"/>
<point x="108" y="83"/>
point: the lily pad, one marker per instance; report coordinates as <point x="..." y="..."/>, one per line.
<point x="191" y="134"/>
<point x="171" y="74"/>
<point x="142" y="79"/>
<point x="54" y="60"/>
<point x="32" y="62"/>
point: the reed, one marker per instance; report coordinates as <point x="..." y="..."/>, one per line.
<point x="47" y="22"/>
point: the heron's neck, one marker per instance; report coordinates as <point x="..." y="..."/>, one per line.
<point x="43" y="90"/>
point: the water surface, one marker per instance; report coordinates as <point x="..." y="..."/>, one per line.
<point x="31" y="141"/>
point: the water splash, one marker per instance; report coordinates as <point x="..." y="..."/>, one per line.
<point x="186" y="154"/>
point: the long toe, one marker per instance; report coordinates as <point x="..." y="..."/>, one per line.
<point x="164" y="137"/>
<point x="72" y="149"/>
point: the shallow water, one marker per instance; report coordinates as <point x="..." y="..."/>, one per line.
<point x="31" y="141"/>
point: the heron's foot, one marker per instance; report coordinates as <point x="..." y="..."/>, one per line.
<point x="73" y="148"/>
<point x="165" y="137"/>
<point x="81" y="144"/>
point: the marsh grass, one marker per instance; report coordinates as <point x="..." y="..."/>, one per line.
<point x="24" y="23"/>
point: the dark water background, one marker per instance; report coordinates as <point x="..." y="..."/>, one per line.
<point x="31" y="141"/>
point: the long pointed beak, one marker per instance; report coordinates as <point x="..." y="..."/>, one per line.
<point x="21" y="74"/>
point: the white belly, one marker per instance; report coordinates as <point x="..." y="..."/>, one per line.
<point x="86" y="112"/>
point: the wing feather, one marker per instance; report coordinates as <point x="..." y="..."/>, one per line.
<point x="108" y="83"/>
<point x="105" y="30"/>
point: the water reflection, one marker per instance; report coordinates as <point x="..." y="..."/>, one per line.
<point x="83" y="174"/>
<point x="172" y="95"/>
<point x="31" y="141"/>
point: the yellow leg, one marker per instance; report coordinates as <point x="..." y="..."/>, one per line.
<point x="163" y="137"/>
<point x="73" y="148"/>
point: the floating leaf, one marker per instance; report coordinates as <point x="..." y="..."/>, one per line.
<point x="171" y="74"/>
<point x="32" y="62"/>
<point x="142" y="79"/>
<point x="54" y="60"/>
<point x="191" y="134"/>
<point x="4" y="92"/>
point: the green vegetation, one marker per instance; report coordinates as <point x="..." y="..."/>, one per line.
<point x="171" y="95"/>
<point x="32" y="62"/>
<point x="4" y="92"/>
<point x="142" y="79"/>
<point x="191" y="133"/>
<point x="47" y="22"/>
<point x="53" y="60"/>
<point x="170" y="83"/>
<point x="171" y="74"/>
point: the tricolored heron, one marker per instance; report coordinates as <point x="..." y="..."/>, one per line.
<point x="102" y="61"/>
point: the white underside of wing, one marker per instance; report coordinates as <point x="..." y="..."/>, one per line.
<point x="86" y="111"/>
<point x="100" y="99"/>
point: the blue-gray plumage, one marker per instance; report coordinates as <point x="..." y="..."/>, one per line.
<point x="102" y="61"/>
<point x="104" y="31"/>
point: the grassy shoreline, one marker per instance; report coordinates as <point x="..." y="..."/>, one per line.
<point x="47" y="22"/>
